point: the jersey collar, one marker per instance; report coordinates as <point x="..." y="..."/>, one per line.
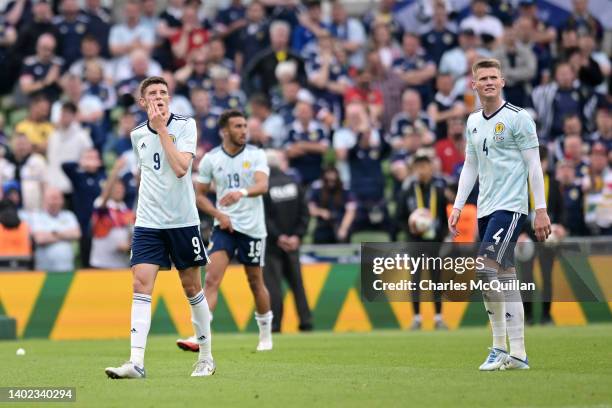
<point x="167" y="124"/>
<point x="233" y="155"/>
<point x="494" y="113"/>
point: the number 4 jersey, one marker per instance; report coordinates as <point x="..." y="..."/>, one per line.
<point x="164" y="200"/>
<point x="232" y="173"/>
<point x="497" y="141"/>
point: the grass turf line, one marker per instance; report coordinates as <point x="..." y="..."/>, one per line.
<point x="570" y="367"/>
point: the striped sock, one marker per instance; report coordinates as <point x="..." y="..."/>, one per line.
<point x="200" y="318"/>
<point x="141" y="323"/>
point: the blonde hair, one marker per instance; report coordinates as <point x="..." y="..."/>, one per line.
<point x="486" y="63"/>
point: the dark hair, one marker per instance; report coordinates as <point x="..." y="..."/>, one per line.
<point x="331" y="195"/>
<point x="197" y="89"/>
<point x="227" y="115"/>
<point x="260" y="100"/>
<point x="151" y="81"/>
<point x="69" y="106"/>
<point x="91" y="38"/>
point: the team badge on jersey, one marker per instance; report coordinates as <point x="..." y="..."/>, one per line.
<point x="246" y="165"/>
<point x="499" y="130"/>
<point x="173" y="138"/>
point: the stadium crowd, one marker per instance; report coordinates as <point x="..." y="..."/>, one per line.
<point x="361" y="108"/>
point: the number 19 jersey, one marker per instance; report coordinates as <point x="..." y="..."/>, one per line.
<point x="497" y="141"/>
<point x="232" y="173"/>
<point x="164" y="200"/>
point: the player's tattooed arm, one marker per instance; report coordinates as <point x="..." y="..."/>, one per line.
<point x="205" y="205"/>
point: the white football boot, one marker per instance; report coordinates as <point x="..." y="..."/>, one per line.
<point x="127" y="370"/>
<point x="188" y="344"/>
<point x="204" y="368"/>
<point x="515" y="363"/>
<point x="494" y="360"/>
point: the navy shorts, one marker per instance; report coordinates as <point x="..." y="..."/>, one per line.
<point x="498" y="234"/>
<point x="248" y="250"/>
<point x="183" y="246"/>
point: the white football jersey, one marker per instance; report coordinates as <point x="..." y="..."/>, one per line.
<point x="231" y="173"/>
<point x="164" y="201"/>
<point x="497" y="142"/>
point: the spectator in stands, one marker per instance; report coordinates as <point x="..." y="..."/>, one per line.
<point x="36" y="126"/>
<point x="390" y="85"/>
<point x="349" y="34"/>
<point x="485" y="25"/>
<point x="441" y="37"/>
<point x="364" y="157"/>
<point x="222" y="97"/>
<point x="599" y="196"/>
<point x="334" y="208"/>
<point x="253" y="37"/>
<point x="272" y="123"/>
<point x="583" y="21"/>
<point x="445" y="105"/>
<point x="54" y="230"/>
<point x="307" y="141"/>
<point x="30" y="172"/>
<point x="91" y="52"/>
<point x="206" y="121"/>
<point x="587" y="70"/>
<point x="451" y="150"/>
<point x="72" y="26"/>
<point x="589" y="50"/>
<point x="14" y="233"/>
<point x="191" y="36"/>
<point x="286" y="104"/>
<point x="179" y="104"/>
<point x="100" y="19"/>
<point x="86" y="177"/>
<point x="556" y="100"/>
<point x="383" y="13"/>
<point x="122" y="142"/>
<point x="140" y="66"/>
<point x="111" y="224"/>
<point x="259" y="74"/>
<point x="131" y="35"/>
<point x="424" y="195"/>
<point x="149" y="17"/>
<point x="363" y="92"/>
<point x="383" y="42"/>
<point x="311" y="26"/>
<point x="229" y="22"/>
<point x="415" y="67"/>
<point x="66" y="144"/>
<point x="8" y="36"/>
<point x="90" y="110"/>
<point x="539" y="31"/>
<point x="328" y="74"/>
<point x="41" y="71"/>
<point x="286" y="222"/>
<point x="29" y="34"/>
<point x="535" y="35"/>
<point x="346" y="137"/>
<point x="217" y="56"/>
<point x="411" y="115"/>
<point x="95" y="85"/>
<point x="603" y="128"/>
<point x="573" y="198"/>
<point x="519" y="65"/>
<point x="454" y="60"/>
<point x="194" y="74"/>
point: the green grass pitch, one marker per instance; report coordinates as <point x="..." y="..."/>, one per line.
<point x="571" y="367"/>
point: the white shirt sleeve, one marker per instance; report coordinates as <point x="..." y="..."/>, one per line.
<point x="205" y="170"/>
<point x="536" y="178"/>
<point x="467" y="179"/>
<point x="261" y="163"/>
<point x="188" y="139"/>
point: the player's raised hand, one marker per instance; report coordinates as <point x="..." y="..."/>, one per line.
<point x="156" y="119"/>
<point x="230" y="198"/>
<point x="225" y="223"/>
<point x="453" y="220"/>
<point x="541" y="224"/>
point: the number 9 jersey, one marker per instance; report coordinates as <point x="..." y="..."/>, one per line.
<point x="164" y="200"/>
<point x="232" y="173"/>
<point x="496" y="141"/>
